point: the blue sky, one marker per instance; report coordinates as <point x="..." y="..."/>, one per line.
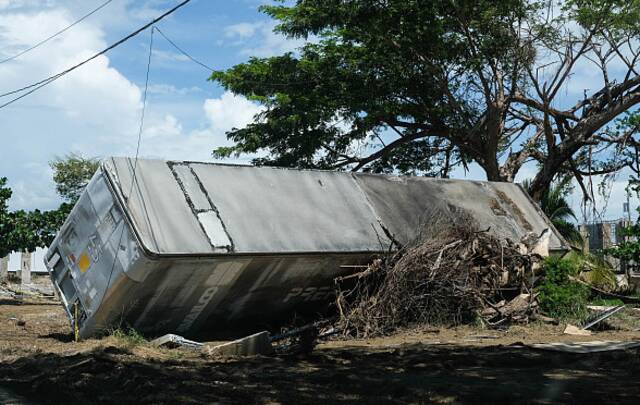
<point x="95" y="110"/>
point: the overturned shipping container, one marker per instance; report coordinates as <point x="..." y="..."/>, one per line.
<point x="197" y="248"/>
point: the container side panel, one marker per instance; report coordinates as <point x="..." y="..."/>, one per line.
<point x="405" y="208"/>
<point x="202" y="297"/>
<point x="100" y="196"/>
<point x="409" y="205"/>
<point x="276" y="210"/>
<point x="163" y="218"/>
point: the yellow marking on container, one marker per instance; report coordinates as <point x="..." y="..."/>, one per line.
<point x="84" y="262"/>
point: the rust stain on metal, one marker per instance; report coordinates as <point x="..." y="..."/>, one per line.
<point x="522" y="220"/>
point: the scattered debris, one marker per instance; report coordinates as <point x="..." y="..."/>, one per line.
<point x="574" y="330"/>
<point x="453" y="275"/>
<point x="597" y="318"/>
<point x="544" y="319"/>
<point x="599" y="308"/>
<point x="172" y="341"/>
<point x="256" y="344"/>
<point x="33" y="291"/>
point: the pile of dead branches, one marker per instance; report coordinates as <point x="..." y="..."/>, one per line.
<point x="458" y="275"/>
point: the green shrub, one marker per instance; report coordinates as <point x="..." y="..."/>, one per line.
<point x="559" y="297"/>
<point x="607" y="302"/>
<point x="593" y="269"/>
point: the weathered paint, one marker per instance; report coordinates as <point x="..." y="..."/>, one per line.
<point x="194" y="247"/>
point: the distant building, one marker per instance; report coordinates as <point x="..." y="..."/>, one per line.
<point x="603" y="235"/>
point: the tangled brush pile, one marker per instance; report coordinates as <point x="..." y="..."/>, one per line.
<point x="457" y="275"/>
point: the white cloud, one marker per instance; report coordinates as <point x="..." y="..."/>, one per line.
<point x="166" y="138"/>
<point x="164" y="88"/>
<point x="92" y="110"/>
<point x="242" y="30"/>
<point x="259" y="39"/>
<point x="230" y="111"/>
<point x="165" y="56"/>
<point x="12" y="4"/>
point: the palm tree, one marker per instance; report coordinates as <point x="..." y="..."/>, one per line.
<point x="556" y="207"/>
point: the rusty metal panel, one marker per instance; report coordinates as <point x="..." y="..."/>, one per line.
<point x="408" y="205"/>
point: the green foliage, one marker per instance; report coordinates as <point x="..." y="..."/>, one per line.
<point x="628" y="250"/>
<point x="6" y="224"/>
<point x="619" y="16"/>
<point x="377" y="67"/>
<point x="556" y="207"/>
<point x="560" y="297"/>
<point x="420" y="87"/>
<point x="27" y="230"/>
<point x="593" y="269"/>
<point x="607" y="302"/>
<point x="72" y="174"/>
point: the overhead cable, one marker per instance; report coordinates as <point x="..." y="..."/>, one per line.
<point x="194" y="60"/>
<point x="40" y="84"/>
<point x="49" y="38"/>
<point x="135" y="162"/>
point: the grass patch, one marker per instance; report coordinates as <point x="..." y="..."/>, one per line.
<point x="129" y="336"/>
<point x="606" y="302"/>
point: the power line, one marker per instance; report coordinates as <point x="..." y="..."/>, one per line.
<point x="194" y="60"/>
<point x="44" y="41"/>
<point x="135" y="162"/>
<point x="38" y="85"/>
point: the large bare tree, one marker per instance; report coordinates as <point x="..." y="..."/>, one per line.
<point x="425" y="86"/>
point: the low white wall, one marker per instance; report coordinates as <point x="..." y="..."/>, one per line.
<point x="37" y="264"/>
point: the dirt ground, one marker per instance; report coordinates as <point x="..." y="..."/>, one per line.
<point x="39" y="363"/>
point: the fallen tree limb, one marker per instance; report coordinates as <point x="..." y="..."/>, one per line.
<point x="624" y="298"/>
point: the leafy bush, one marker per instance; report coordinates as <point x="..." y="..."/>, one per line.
<point x="607" y="302"/>
<point x="559" y="297"/>
<point x="593" y="269"/>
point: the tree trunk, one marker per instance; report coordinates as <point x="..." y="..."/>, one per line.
<point x="542" y="181"/>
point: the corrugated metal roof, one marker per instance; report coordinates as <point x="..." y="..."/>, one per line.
<point x="203" y="208"/>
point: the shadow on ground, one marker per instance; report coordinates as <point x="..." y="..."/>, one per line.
<point x="416" y="373"/>
<point x="59" y="336"/>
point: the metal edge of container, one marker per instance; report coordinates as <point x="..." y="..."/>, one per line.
<point x="56" y="287"/>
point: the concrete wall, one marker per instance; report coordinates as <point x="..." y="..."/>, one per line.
<point x="37" y="265"/>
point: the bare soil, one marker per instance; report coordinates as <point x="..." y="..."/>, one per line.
<point x="40" y="363"/>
